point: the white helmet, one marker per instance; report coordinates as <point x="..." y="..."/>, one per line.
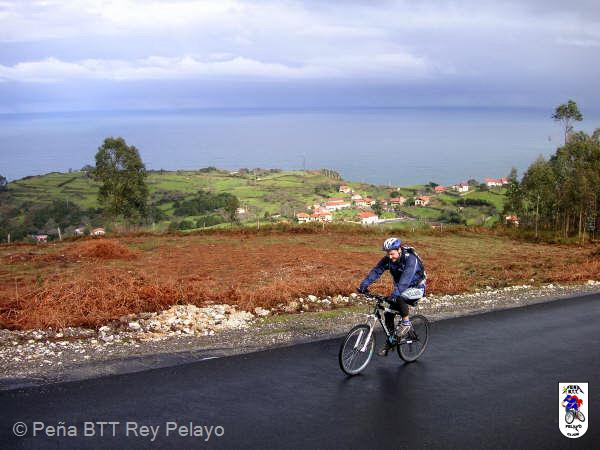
<point x="391" y="244"/>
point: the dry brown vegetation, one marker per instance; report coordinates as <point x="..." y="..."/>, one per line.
<point x="88" y="282"/>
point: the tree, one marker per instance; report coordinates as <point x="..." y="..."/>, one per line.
<point x="537" y="189"/>
<point x="3" y="183"/>
<point x="123" y="192"/>
<point x="377" y="208"/>
<point x="566" y="114"/>
<point x="231" y="205"/>
<point x="514" y="196"/>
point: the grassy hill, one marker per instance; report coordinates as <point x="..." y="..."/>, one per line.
<point x="264" y="194"/>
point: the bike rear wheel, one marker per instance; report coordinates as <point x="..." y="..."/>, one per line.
<point x="355" y="352"/>
<point x="414" y="343"/>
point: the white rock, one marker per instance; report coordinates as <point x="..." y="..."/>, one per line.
<point x="135" y="326"/>
<point x="312" y="298"/>
<point x="261" y="312"/>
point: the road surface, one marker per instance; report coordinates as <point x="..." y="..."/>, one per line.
<point x="486" y="381"/>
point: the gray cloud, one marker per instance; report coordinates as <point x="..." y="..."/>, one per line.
<point x="461" y="52"/>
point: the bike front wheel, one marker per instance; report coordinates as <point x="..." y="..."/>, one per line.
<point x="356" y="352"/>
<point x="580" y="416"/>
<point x="569" y="417"/>
<point x="413" y="344"/>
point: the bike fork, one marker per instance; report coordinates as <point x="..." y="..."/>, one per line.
<point x="364" y="347"/>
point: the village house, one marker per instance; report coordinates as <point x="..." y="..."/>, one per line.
<point x="396" y="201"/>
<point x="512" y="220"/>
<point x="303" y="217"/>
<point x="422" y="201"/>
<point x="334" y="204"/>
<point x="79" y="231"/>
<point x="96" y="232"/>
<point x="321" y="217"/>
<point x="368" y="217"/>
<point x="41" y="238"/>
<point x="240" y="210"/>
<point x="345" y="189"/>
<point x="461" y="187"/>
<point x="364" y="202"/>
<point x="493" y="182"/>
<point x="439" y="189"/>
<point x="356" y="197"/>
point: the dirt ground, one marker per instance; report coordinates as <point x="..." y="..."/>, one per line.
<point x="89" y="282"/>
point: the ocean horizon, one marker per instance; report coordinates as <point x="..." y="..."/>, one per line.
<point x="399" y="146"/>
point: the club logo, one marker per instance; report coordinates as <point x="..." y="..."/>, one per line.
<point x="573" y="409"/>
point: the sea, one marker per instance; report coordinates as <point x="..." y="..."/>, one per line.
<point x="391" y="146"/>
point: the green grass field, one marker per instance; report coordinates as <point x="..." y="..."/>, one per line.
<point x="261" y="193"/>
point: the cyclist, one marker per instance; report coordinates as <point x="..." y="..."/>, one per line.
<point x="409" y="277"/>
<point x="573" y="402"/>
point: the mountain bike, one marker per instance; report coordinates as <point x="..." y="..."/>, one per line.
<point x="358" y="346"/>
<point x="571" y="414"/>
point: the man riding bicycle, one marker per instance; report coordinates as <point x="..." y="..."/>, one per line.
<point x="409" y="277"/>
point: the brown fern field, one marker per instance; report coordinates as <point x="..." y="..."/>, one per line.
<point x="89" y="282"/>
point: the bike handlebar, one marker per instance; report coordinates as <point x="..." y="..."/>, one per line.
<point x="379" y="298"/>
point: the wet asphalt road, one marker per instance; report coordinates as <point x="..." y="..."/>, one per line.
<point x="486" y="381"/>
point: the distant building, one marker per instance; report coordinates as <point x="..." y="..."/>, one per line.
<point x="356" y="197"/>
<point x="336" y="203"/>
<point x="303" y="217"/>
<point x="512" y="220"/>
<point x="461" y="187"/>
<point x="439" y="189"/>
<point x="345" y="189"/>
<point x="41" y="238"/>
<point x="396" y="201"/>
<point x="321" y="217"/>
<point x="493" y="182"/>
<point x="97" y="232"/>
<point x="79" y="231"/>
<point x="422" y="201"/>
<point x="368" y="218"/>
<point x="240" y="210"/>
<point x="370" y="201"/>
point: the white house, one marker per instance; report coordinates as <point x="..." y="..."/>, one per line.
<point x="345" y="189"/>
<point x="97" y="232"/>
<point x="336" y="203"/>
<point x="356" y="197"/>
<point x="368" y="218"/>
<point x="512" y="220"/>
<point x="321" y="217"/>
<point x="422" y="201"/>
<point x="41" y="238"/>
<point x="396" y="201"/>
<point x="461" y="187"/>
<point x="303" y="217"/>
<point x="493" y="182"/>
<point x="79" y="231"/>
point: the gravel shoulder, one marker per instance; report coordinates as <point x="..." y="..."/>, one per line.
<point x="44" y="356"/>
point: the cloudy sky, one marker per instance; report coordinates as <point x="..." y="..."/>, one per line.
<point x="147" y="54"/>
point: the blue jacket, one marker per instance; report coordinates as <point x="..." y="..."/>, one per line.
<point x="407" y="272"/>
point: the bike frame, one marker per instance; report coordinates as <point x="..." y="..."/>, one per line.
<point x="376" y="316"/>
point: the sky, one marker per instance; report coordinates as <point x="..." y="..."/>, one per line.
<point x="176" y="54"/>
